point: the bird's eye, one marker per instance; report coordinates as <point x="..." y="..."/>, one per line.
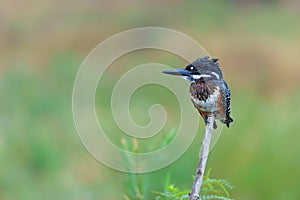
<point x="190" y="68"/>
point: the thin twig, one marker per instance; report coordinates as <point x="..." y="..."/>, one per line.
<point x="194" y="194"/>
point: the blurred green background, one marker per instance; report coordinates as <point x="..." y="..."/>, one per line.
<point x="44" y="42"/>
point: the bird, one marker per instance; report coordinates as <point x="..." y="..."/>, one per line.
<point x="208" y="90"/>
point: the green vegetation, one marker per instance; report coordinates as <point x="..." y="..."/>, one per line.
<point x="137" y="185"/>
<point x="211" y="189"/>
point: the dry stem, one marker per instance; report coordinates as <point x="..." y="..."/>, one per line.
<point x="194" y="194"/>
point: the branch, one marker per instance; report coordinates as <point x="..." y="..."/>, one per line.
<point x="194" y="194"/>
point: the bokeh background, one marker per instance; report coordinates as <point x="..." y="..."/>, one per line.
<point x="44" y="42"/>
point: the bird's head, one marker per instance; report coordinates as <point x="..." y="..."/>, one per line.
<point x="202" y="68"/>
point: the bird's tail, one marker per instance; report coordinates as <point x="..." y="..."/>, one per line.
<point x="228" y="120"/>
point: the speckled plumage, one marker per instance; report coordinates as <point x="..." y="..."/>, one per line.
<point x="209" y="91"/>
<point x="210" y="94"/>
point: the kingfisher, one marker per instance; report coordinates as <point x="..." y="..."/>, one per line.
<point x="208" y="90"/>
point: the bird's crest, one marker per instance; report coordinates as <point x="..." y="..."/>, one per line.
<point x="207" y="64"/>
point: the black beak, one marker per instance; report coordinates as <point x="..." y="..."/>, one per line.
<point x="177" y="72"/>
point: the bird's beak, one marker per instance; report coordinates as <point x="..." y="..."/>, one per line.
<point x="177" y="72"/>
